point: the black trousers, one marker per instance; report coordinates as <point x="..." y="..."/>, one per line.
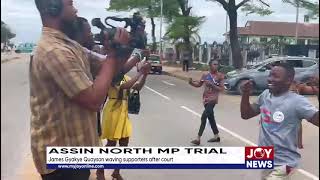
<point x="185" y="65"/>
<point x="99" y="123"/>
<point x="208" y="114"/>
<point x="67" y="174"/>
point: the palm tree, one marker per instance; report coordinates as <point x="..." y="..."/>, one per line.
<point x="184" y="31"/>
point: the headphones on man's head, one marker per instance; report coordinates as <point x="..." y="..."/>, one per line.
<point x="54" y="7"/>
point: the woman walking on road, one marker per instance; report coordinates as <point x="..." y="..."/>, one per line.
<point x="213" y="82"/>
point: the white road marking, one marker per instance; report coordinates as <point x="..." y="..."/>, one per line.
<point x="223" y="128"/>
<point x="306" y="173"/>
<point x="170" y="84"/>
<point x="166" y="97"/>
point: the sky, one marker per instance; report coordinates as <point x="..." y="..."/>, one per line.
<point x="23" y="17"/>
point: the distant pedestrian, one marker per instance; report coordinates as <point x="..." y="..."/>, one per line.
<point x="185" y="61"/>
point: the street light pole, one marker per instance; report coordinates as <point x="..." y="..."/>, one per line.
<point x="161" y="12"/>
<point x="297" y="21"/>
<point x="226" y="26"/>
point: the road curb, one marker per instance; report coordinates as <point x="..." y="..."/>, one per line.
<point x="9" y="59"/>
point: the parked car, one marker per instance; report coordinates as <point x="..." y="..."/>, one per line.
<point x="304" y="67"/>
<point x="25" y="48"/>
<point x="156" y="65"/>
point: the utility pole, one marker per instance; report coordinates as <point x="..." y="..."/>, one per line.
<point x="227" y="18"/>
<point x="161" y="16"/>
<point x="226" y="26"/>
<point x="297" y="21"/>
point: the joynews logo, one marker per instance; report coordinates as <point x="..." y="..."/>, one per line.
<point x="259" y="157"/>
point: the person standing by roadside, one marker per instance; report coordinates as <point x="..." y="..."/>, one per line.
<point x="186" y="57"/>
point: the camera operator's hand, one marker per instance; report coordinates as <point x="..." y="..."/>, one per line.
<point x="141" y="53"/>
<point x="145" y="52"/>
<point x="145" y="68"/>
<point x="121" y="37"/>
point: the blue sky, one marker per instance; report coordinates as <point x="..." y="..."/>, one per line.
<point x="23" y="18"/>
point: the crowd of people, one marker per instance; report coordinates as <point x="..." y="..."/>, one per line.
<point x="72" y="80"/>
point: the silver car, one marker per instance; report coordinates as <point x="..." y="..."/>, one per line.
<point x="305" y="68"/>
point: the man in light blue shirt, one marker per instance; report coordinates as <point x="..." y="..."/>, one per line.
<point x="281" y="112"/>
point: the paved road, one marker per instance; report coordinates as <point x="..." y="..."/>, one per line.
<point x="169" y="117"/>
<point x="15" y="113"/>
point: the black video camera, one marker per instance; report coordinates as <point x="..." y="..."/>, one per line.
<point x="138" y="38"/>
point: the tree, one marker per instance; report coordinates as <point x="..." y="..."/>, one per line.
<point x="6" y="33"/>
<point x="150" y="8"/>
<point x="312" y="7"/>
<point x="249" y="6"/>
<point x="184" y="27"/>
<point x="261" y="8"/>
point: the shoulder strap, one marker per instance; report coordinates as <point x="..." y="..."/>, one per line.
<point x="212" y="77"/>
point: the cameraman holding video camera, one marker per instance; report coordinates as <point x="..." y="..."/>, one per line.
<point x="64" y="97"/>
<point x="116" y="123"/>
<point x="81" y="32"/>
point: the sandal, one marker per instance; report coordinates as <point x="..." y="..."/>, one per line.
<point x="214" y="139"/>
<point x="196" y="142"/>
<point x="116" y="177"/>
<point x="100" y="175"/>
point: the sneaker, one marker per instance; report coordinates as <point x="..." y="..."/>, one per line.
<point x="196" y="142"/>
<point x="217" y="139"/>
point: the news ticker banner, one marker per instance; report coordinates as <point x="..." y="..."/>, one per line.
<point x="160" y="157"/>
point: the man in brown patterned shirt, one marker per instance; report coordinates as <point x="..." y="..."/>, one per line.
<point x="63" y="96"/>
<point x="213" y="85"/>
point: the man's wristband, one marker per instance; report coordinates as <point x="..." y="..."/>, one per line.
<point x="137" y="53"/>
